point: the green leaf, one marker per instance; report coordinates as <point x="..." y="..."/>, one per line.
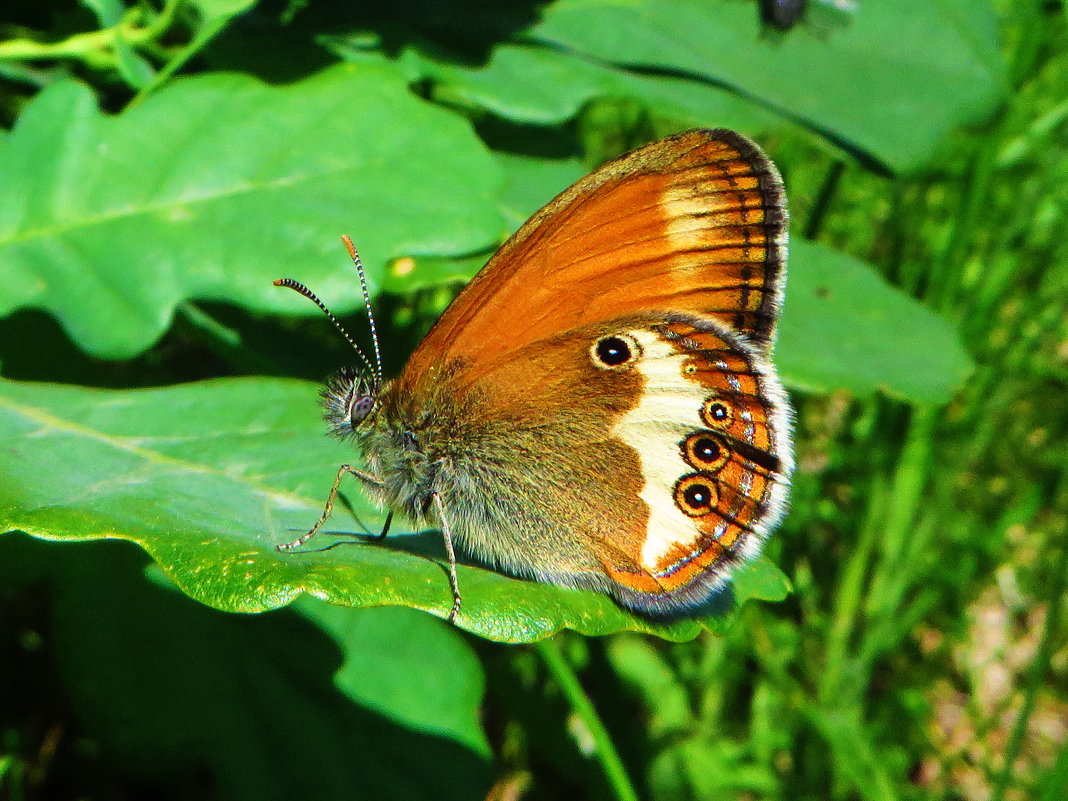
<point x="135" y="70"/>
<point x="405" y="276"/>
<point x="762" y="580"/>
<point x="542" y="86"/>
<point x="894" y="82"/>
<point x="155" y="677"/>
<point x="216" y="16"/>
<point x="530" y="183"/>
<point x="709" y="767"/>
<point x="643" y="666"/>
<point x="216" y="185"/>
<point x="209" y="477"/>
<point x="215" y="9"/>
<point x="857" y="759"/>
<point x="843" y="326"/>
<point x="407" y="666"/>
<point x="107" y="12"/>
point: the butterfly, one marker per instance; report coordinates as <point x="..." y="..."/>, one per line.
<point x="598" y="407"/>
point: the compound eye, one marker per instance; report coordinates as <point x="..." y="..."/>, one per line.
<point x="615" y="352"/>
<point x="360" y="408"/>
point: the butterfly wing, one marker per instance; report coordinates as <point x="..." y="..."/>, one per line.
<point x="692" y="223"/>
<point x="712" y="432"/>
<point x="644" y="457"/>
<point x="597" y="408"/>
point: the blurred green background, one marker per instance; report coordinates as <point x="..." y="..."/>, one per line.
<point x="161" y="162"/>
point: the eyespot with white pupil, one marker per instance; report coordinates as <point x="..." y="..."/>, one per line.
<point x="717" y="414"/>
<point x="705" y="451"/>
<point x="696" y="495"/>
<point x="615" y="352"/>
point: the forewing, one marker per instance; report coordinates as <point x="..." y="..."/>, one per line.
<point x="694" y="223"/>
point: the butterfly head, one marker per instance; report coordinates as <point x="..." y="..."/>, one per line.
<point x="349" y="398"/>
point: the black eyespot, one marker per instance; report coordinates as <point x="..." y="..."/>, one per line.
<point x="699" y="496"/>
<point x="706" y="449"/>
<point x="615" y="351"/>
<point x="696" y="495"/>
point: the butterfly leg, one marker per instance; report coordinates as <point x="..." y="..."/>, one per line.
<point x="453" y="582"/>
<point x="385" y="527"/>
<point x="329" y="508"/>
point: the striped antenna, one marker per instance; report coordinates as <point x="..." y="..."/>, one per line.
<point x="297" y="286"/>
<point x="367" y="304"/>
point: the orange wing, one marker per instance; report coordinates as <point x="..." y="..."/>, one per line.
<point x="693" y="223"/>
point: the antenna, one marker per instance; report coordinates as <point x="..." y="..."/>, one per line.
<point x="299" y="287"/>
<point x="367" y="304"/>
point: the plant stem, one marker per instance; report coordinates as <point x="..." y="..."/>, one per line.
<point x="84" y="46"/>
<point x="1038" y="667"/>
<point x="906" y="500"/>
<point x="848" y="600"/>
<point x="604" y="748"/>
<point x="224" y="341"/>
<point x="203" y="37"/>
<point x="97" y="48"/>
<point x="949" y="288"/>
<point x="204" y="322"/>
<point x="828" y="188"/>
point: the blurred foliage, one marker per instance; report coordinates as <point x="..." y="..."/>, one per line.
<point x="163" y="160"/>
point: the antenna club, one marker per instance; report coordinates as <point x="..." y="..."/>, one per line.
<point x="351" y="248"/>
